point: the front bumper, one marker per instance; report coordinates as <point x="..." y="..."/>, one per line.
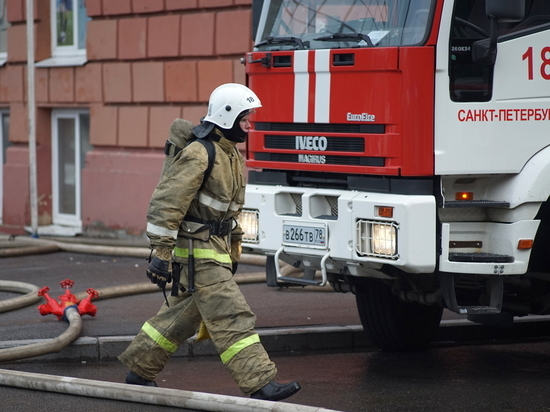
<point x="343" y="214"/>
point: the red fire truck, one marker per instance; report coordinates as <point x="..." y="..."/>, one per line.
<point x="403" y="154"/>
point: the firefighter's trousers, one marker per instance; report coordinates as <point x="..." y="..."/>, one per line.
<point x="229" y="321"/>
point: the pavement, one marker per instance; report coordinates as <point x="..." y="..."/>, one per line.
<point x="288" y="319"/>
<point x="291" y="322"/>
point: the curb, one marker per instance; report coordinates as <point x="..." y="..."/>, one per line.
<point x="279" y="340"/>
<point x="294" y="339"/>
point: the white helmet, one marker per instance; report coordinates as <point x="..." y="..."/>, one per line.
<point x="226" y="103"/>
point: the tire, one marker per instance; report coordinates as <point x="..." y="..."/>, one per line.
<point x="392" y="324"/>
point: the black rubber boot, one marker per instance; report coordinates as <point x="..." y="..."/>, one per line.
<point x="134" y="379"/>
<point x="275" y="391"/>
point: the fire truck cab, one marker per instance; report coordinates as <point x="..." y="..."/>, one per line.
<point x="402" y="153"/>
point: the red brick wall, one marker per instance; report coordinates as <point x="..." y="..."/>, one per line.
<point x="149" y="61"/>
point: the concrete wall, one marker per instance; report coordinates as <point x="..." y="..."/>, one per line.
<point x="149" y="61"/>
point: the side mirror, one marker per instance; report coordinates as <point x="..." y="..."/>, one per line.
<point x="485" y="51"/>
<point x="505" y="10"/>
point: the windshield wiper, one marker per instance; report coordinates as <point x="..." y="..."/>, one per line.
<point x="347" y="37"/>
<point x="281" y="40"/>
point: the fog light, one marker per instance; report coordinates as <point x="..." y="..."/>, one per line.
<point x="383" y="237"/>
<point x="249" y="222"/>
<point x="377" y="239"/>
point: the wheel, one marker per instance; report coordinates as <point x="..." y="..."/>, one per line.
<point x="392" y="324"/>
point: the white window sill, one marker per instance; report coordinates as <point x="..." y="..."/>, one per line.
<point x="63" y="61"/>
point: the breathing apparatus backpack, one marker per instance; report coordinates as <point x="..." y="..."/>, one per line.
<point x="181" y="134"/>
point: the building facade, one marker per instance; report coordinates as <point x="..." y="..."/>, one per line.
<point x="110" y="77"/>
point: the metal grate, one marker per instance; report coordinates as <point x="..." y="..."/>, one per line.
<point x="248" y="220"/>
<point x="320" y="127"/>
<point x="297" y="198"/>
<point x="320" y="159"/>
<point x="333" y="202"/>
<point x="334" y="144"/>
<point x="367" y="244"/>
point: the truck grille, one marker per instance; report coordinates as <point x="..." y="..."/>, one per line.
<point x="320" y="128"/>
<point x="321" y="159"/>
<point x="334" y="144"/>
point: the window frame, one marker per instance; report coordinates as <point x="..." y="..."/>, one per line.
<point x="59" y="218"/>
<point x="4" y="24"/>
<point x="71" y="55"/>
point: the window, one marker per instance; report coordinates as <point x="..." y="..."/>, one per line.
<point x="70" y="143"/>
<point x="4" y="144"/>
<point x="322" y="24"/>
<point x="68" y="27"/>
<point x="471" y="81"/>
<point x="4" y="24"/>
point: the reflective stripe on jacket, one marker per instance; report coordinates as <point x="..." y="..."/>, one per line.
<point x="177" y="195"/>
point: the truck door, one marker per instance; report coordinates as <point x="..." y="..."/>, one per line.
<point x="483" y="110"/>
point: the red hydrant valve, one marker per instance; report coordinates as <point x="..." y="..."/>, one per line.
<point x="66" y="284"/>
<point x="85" y="307"/>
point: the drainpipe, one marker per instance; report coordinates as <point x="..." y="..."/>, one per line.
<point x="31" y="106"/>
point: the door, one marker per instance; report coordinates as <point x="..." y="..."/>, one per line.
<point x="70" y="143"/>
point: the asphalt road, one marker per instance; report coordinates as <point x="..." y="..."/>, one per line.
<point x="482" y="378"/>
<point x="125" y="315"/>
<point x="512" y="375"/>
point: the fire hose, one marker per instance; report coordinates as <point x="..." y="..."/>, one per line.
<point x="149" y="395"/>
<point x="29" y="298"/>
<point x="47" y="346"/>
<point x="109" y="390"/>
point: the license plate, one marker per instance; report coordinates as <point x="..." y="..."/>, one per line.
<point x="305" y="235"/>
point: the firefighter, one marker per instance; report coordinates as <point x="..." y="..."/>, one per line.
<point x="196" y="229"/>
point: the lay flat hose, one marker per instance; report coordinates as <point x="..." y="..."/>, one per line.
<point x="110" y="390"/>
<point x="143" y="394"/>
<point x="48" y="346"/>
<point x="28" y="250"/>
<point x="20" y="301"/>
<point x="57" y="344"/>
<point x="148" y="287"/>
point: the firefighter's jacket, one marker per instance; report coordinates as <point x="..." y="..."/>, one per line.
<point x="177" y="204"/>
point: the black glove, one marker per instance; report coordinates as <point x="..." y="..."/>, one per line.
<point x="159" y="273"/>
<point x="234" y="267"/>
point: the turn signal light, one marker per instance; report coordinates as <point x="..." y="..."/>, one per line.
<point x="384" y="211"/>
<point x="464" y="196"/>
<point x="525" y="244"/>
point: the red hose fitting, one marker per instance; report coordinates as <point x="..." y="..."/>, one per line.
<point x="68" y="299"/>
<point x="85" y="307"/>
<point x="51" y="306"/>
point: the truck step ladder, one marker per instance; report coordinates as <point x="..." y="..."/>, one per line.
<point x="494" y="287"/>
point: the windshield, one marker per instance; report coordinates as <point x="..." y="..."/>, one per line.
<point x="323" y="24"/>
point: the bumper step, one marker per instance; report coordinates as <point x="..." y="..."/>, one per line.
<point x="298" y="281"/>
<point x="480" y="258"/>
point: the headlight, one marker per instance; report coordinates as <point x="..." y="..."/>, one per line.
<point x="249" y="222"/>
<point x="376" y="238"/>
